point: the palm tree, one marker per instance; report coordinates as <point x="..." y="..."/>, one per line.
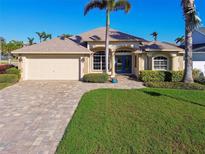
<point x="192" y="21"/>
<point x="109" y="6"/>
<point x="179" y="40"/>
<point x="154" y="35"/>
<point x="41" y="35"/>
<point x="47" y="36"/>
<point x="30" y="40"/>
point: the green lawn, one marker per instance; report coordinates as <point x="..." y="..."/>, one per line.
<point x="4" y="85"/>
<point x="137" y="121"/>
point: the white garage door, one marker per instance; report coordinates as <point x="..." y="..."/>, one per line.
<point x="52" y="69"/>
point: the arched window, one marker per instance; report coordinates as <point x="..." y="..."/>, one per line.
<point x="160" y="63"/>
<point x="99" y="60"/>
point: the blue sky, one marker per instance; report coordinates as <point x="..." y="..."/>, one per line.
<point x="20" y="19"/>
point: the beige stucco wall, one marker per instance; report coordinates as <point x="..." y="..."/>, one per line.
<point x="145" y="61"/>
<point x="140" y="60"/>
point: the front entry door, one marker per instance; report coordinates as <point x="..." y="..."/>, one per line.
<point x="123" y="64"/>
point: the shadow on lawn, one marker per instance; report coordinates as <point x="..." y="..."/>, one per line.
<point x="157" y="94"/>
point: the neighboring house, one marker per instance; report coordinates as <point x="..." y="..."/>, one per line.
<point x="199" y="49"/>
<point x="71" y="58"/>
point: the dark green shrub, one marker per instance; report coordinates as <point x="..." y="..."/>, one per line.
<point x="177" y="76"/>
<point x="8" y="78"/>
<point x="176" y="85"/>
<point x="13" y="70"/>
<point x="95" y="78"/>
<point x="149" y="75"/>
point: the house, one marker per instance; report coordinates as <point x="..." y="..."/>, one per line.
<point x="199" y="49"/>
<point x="71" y="58"/>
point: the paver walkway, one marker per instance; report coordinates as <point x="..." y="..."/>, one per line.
<point x="34" y="114"/>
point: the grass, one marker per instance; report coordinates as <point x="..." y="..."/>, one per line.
<point x="4" y="85"/>
<point x="8" y="80"/>
<point x="137" y="121"/>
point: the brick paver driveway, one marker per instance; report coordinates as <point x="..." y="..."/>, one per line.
<point x="34" y="114"/>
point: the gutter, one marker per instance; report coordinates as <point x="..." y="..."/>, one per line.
<point x="50" y="53"/>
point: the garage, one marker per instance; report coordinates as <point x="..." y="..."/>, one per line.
<point x="52" y="69"/>
<point x="55" y="59"/>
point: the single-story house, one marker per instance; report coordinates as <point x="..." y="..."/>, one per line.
<point x="199" y="49"/>
<point x="71" y="58"/>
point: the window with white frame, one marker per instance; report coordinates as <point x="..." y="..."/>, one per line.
<point x="99" y="60"/>
<point x="160" y="63"/>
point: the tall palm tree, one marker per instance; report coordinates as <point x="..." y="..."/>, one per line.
<point x="192" y="21"/>
<point x="154" y="35"/>
<point x="180" y="40"/>
<point x="47" y="36"/>
<point x="109" y="6"/>
<point x="30" y="40"/>
<point x="41" y="35"/>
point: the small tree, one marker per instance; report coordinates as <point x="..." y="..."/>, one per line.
<point x="41" y="35"/>
<point x="154" y="35"/>
<point x="30" y="40"/>
<point x="179" y="40"/>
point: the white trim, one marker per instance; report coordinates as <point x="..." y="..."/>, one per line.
<point x="194" y="50"/>
<point x="26" y="69"/>
<point x="81" y="65"/>
<point x="200" y="32"/>
<point x="161" y="55"/>
<point x="123" y="53"/>
<point x="176" y="50"/>
<point x="51" y="53"/>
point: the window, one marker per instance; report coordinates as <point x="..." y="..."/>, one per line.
<point x="99" y="60"/>
<point x="160" y="63"/>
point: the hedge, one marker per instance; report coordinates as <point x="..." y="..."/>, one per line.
<point x="95" y="78"/>
<point x="176" y="85"/>
<point x="12" y="70"/>
<point x="169" y="76"/>
<point x="8" y="78"/>
<point x="4" y="67"/>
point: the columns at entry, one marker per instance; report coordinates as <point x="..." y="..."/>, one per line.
<point x="149" y="61"/>
<point x="174" y="62"/>
<point x="113" y="64"/>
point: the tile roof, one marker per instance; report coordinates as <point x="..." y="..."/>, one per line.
<point x="161" y="46"/>
<point x="56" y="45"/>
<point x="202" y="30"/>
<point x="98" y="34"/>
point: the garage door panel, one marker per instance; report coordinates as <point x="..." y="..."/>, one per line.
<point x="53" y="69"/>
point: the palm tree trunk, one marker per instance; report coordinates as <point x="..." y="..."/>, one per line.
<point x="188" y="77"/>
<point x="107" y="40"/>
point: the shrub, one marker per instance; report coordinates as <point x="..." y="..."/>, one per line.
<point x="170" y="76"/>
<point x="95" y="78"/>
<point x="175" y="85"/>
<point x="4" y="67"/>
<point x="8" y="78"/>
<point x="177" y="76"/>
<point x="149" y="75"/>
<point x="12" y="70"/>
<point x="196" y="74"/>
